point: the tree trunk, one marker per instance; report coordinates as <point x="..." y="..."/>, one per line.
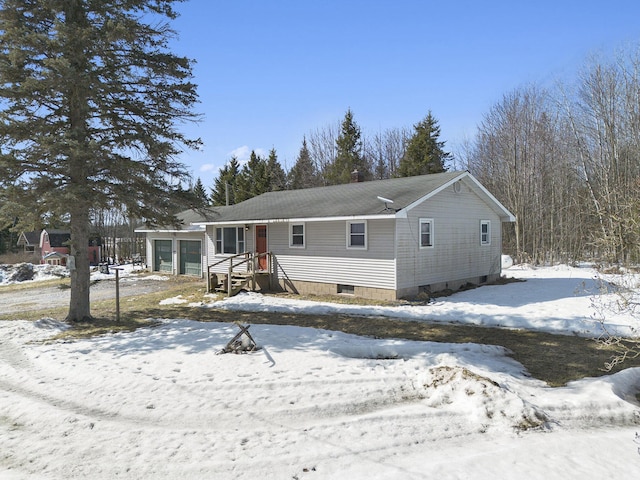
<point x="79" y="305"/>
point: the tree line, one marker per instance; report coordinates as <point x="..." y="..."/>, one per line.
<point x="566" y="162"/>
<point x="331" y="156"/>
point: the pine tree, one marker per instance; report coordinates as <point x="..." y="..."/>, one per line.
<point x="224" y="189"/>
<point x="253" y="179"/>
<point x="201" y="198"/>
<point x="425" y="152"/>
<point x="90" y="97"/>
<point x="275" y="173"/>
<point x="349" y="154"/>
<point x="303" y="174"/>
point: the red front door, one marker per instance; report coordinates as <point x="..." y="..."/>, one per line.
<point x="261" y="245"/>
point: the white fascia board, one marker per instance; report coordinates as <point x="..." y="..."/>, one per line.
<point x="160" y="230"/>
<point x="302" y="219"/>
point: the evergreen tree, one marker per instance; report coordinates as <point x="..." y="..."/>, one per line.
<point x="201" y="199"/>
<point x="90" y="97"/>
<point x="425" y="152"/>
<point x="253" y="179"/>
<point x="275" y="173"/>
<point x="349" y="154"/>
<point x="224" y="189"/>
<point x="6" y="240"/>
<point x="303" y="174"/>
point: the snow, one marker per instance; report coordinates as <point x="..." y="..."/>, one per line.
<point x="553" y="299"/>
<point x="46" y="272"/>
<point x="162" y="403"/>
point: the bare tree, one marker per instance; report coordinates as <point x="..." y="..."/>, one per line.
<point x="520" y="154"/>
<point x="385" y="149"/>
<point x="603" y="113"/>
<point x="322" y="148"/>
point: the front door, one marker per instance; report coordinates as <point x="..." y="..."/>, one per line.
<point x="261" y="246"/>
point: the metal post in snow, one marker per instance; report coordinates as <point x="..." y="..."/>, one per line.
<point x="117" y="269"/>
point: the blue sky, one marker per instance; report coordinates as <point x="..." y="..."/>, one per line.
<point x="270" y="72"/>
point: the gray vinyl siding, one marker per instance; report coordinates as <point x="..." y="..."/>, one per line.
<point x="457" y="253"/>
<point x="326" y="258"/>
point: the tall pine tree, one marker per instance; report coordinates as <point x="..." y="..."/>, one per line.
<point x="224" y="186"/>
<point x="349" y="154"/>
<point x="201" y="199"/>
<point x="303" y="174"/>
<point x="275" y="173"/>
<point x="253" y="179"/>
<point x="425" y="151"/>
<point x="90" y="100"/>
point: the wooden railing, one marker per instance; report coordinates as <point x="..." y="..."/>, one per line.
<point x="251" y="260"/>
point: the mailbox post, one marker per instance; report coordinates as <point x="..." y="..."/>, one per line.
<point x="117" y="269"/>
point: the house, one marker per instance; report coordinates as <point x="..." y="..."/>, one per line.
<point x="52" y="246"/>
<point x="30" y="243"/>
<point x="55" y="258"/>
<point x="386" y="239"/>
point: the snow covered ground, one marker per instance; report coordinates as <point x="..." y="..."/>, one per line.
<point x="160" y="403"/>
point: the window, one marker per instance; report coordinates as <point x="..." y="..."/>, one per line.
<point x="356" y="235"/>
<point x="485" y="232"/>
<point x="297" y="236"/>
<point x="426" y="232"/>
<point x="346" y="289"/>
<point x="218" y="240"/>
<point x="230" y="240"/>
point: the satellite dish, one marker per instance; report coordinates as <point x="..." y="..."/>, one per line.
<point x="386" y="201"/>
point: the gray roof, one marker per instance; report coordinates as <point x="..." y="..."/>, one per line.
<point x="29" y="238"/>
<point x="59" y="238"/>
<point x="349" y="200"/>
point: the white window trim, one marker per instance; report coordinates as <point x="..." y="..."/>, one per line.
<point x="488" y="224"/>
<point x="304" y="235"/>
<point x="433" y="237"/>
<point x="357" y="247"/>
<point x="215" y="241"/>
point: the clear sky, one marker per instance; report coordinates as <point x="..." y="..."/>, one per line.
<point x="271" y="71"/>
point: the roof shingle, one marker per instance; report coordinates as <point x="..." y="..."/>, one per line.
<point x="354" y="199"/>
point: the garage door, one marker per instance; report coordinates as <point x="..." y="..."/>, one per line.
<point x="163" y="258"/>
<point x="190" y="258"/>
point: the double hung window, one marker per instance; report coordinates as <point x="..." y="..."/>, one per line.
<point x="357" y="235"/>
<point x="297" y="235"/>
<point x="485" y="232"/>
<point x="426" y="232"/>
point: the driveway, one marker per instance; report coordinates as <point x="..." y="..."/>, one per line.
<point x="45" y="297"/>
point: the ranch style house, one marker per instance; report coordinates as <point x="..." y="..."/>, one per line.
<point x="386" y="239"/>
